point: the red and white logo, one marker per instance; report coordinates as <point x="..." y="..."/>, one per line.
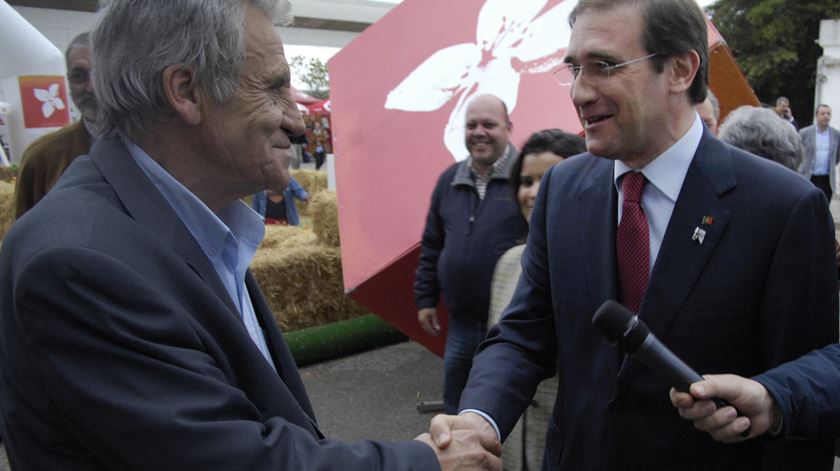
<point x="44" y="99"/>
<point x="399" y="94"/>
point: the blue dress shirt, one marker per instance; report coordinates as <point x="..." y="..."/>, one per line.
<point x="229" y="239"/>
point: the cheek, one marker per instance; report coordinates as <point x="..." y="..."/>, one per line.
<point x="522" y="195"/>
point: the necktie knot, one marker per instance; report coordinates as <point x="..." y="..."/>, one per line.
<point x="632" y="184"/>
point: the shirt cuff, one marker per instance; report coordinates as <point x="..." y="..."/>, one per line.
<point x="487" y="418"/>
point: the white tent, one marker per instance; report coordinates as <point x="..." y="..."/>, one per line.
<point x="23" y="51"/>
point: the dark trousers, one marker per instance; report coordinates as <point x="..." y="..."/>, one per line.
<point x="821" y="182"/>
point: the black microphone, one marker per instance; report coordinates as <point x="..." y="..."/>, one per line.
<point x="623" y="328"/>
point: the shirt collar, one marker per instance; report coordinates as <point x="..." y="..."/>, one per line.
<point x="668" y="170"/>
<point x="498" y="167"/>
<point x="209" y="229"/>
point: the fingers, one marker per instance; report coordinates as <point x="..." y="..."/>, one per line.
<point x="435" y="324"/>
<point x="428" y="320"/>
<point x="443" y="426"/>
<point x="465" y="452"/>
<point x="681" y="400"/>
<point x="441" y="429"/>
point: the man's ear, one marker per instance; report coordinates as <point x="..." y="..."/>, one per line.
<point x="181" y="90"/>
<point x="683" y="69"/>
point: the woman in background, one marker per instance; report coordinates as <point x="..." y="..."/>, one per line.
<point x="523" y="449"/>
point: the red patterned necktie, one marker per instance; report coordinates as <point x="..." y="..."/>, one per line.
<point x="633" y="243"/>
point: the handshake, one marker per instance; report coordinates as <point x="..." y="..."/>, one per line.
<point x="464" y="442"/>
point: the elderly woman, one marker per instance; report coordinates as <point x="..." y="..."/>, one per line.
<point x="760" y="131"/>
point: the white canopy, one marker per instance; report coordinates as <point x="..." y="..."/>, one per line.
<point x="22" y="47"/>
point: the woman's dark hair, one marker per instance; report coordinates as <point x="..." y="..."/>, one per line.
<point x="555" y="141"/>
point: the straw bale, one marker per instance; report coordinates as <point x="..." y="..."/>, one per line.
<point x="8" y="174"/>
<point x="7" y="213"/>
<point x="303" y="285"/>
<point x="286" y="237"/>
<point x="313" y="181"/>
<point x="324" y="210"/>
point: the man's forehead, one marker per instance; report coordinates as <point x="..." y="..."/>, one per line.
<point x="77" y="54"/>
<point x="597" y="34"/>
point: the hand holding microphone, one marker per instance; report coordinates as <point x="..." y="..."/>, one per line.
<point x="623" y="328"/>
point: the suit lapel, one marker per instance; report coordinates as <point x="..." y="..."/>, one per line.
<point x="146" y="205"/>
<point x="682" y="258"/>
<point x="597" y="208"/>
<point x="279" y="349"/>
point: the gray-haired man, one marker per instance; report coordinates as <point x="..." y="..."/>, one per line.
<point x="133" y="336"/>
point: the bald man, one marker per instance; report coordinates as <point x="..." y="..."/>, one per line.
<point x="472" y="221"/>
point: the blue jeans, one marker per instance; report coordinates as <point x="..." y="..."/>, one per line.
<point x="462" y="340"/>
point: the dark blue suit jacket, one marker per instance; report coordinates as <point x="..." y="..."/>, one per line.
<point x="761" y="289"/>
<point x="122" y="350"/>
<point x="807" y="391"/>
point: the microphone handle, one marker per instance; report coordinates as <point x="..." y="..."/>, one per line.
<point x="676" y="372"/>
<point x="662" y="360"/>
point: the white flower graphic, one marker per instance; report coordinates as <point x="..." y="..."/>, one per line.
<point x="50" y="99"/>
<point x="512" y="38"/>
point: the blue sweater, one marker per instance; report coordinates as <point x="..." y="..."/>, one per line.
<point x="464" y="238"/>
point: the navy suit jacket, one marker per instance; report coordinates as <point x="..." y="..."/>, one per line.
<point x="761" y="289"/>
<point x="807" y="391"/>
<point x="122" y="350"/>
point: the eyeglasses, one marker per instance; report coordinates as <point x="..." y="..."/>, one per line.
<point x="596" y="70"/>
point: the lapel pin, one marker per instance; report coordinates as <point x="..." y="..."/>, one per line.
<point x="707" y="220"/>
<point x="699" y="235"/>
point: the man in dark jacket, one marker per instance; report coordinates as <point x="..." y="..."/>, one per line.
<point x="472" y="221"/>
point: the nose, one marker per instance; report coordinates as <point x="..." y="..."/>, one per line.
<point x="583" y="93"/>
<point x="89" y="85"/>
<point x="293" y="121"/>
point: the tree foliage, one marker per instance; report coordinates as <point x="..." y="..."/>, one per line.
<point x="313" y="73"/>
<point x="774" y="42"/>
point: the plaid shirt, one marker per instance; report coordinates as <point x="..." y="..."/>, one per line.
<point x="481" y="181"/>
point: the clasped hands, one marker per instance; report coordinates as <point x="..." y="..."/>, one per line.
<point x="464" y="442"/>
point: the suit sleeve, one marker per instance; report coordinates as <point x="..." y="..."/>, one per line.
<point x="799" y="314"/>
<point x="807" y="391"/>
<point x="799" y="306"/>
<point x="132" y="378"/>
<point x="520" y="350"/>
<point x="426" y="283"/>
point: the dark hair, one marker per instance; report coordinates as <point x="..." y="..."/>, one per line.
<point x="671" y="27"/>
<point x="555" y="141"/>
<point x="821" y="105"/>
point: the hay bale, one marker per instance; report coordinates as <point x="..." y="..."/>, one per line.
<point x="8" y="174"/>
<point x="324" y="211"/>
<point x="313" y="181"/>
<point x="303" y="285"/>
<point x="286" y="237"/>
<point x="7" y="207"/>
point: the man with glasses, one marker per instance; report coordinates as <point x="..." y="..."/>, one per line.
<point x="702" y="240"/>
<point x="46" y="158"/>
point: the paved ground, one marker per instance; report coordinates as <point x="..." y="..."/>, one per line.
<point x="374" y="394"/>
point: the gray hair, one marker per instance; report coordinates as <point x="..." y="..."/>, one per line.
<point x="133" y="42"/>
<point x="81" y="40"/>
<point x="715" y="103"/>
<point x="760" y="131"/>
